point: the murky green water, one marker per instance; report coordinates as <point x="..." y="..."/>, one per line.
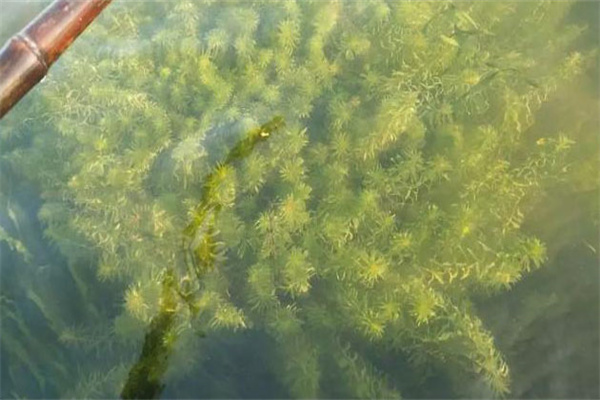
<point x="307" y="199"/>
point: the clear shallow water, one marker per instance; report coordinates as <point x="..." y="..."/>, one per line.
<point x="415" y="228"/>
<point x="14" y="15"/>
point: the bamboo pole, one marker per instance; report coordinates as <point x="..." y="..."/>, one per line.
<point x="27" y="56"/>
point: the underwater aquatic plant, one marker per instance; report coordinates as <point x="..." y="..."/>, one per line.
<point x="395" y="192"/>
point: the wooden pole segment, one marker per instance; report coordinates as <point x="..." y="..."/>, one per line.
<point x="27" y="56"/>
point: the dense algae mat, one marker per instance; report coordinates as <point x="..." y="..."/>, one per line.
<point x="337" y="180"/>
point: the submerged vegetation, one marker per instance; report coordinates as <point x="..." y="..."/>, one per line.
<point x="394" y="193"/>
